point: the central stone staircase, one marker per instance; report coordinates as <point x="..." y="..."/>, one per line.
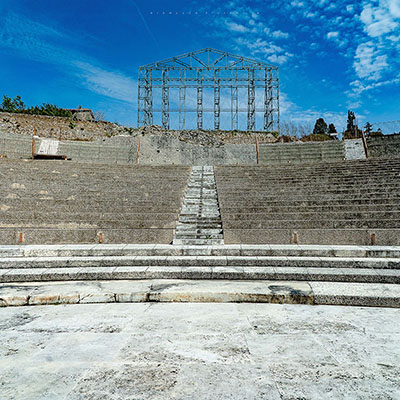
<point x="200" y="219"/>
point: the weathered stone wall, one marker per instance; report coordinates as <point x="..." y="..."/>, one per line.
<point x="299" y="152"/>
<point x="164" y="150"/>
<point x="384" y="146"/>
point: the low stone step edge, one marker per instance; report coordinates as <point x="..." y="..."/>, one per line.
<point x="287" y="292"/>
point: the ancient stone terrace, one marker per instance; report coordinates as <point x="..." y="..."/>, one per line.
<point x="47" y="202"/>
<point x="316" y="234"/>
<point x="340" y="203"/>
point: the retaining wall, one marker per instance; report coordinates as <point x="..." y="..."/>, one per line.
<point x="384" y="146"/>
<point x="159" y="150"/>
<point x="299" y="152"/>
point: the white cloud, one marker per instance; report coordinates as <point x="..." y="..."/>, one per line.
<point x="108" y="83"/>
<point x="35" y="41"/>
<point x="369" y="63"/>
<point x="394" y="8"/>
<point x="374" y="63"/>
<point x="297" y="3"/>
<point x="233" y="26"/>
<point x="310" y="14"/>
<point x="358" y="87"/>
<point x="247" y="32"/>
<point x="280" y="34"/>
<point x="332" y="35"/>
<point x="380" y="20"/>
<point x="278" y="59"/>
<point x="292" y="112"/>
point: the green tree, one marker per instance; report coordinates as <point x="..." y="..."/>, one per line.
<point x="320" y="127"/>
<point x="368" y="128"/>
<point x="7" y="104"/>
<point x="351" y="126"/>
<point x="16" y="105"/>
<point x="332" y="128"/>
<point x="19" y="105"/>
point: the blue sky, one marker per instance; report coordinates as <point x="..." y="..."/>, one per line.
<point x="332" y="56"/>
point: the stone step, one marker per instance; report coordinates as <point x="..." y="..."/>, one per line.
<point x="85" y="250"/>
<point x="84" y="216"/>
<point x="325" y="236"/>
<point x="198" y="242"/>
<point x="88" y="207"/>
<point x="216" y="291"/>
<point x="240" y="200"/>
<point x="314" y="215"/>
<point x="11" y="236"/>
<point x="283" y="202"/>
<point x="182" y="229"/>
<point x="288" y="189"/>
<point x="303" y="209"/>
<point x="355" y="164"/>
<point x="201" y="261"/>
<point x="98" y="223"/>
<point x="214" y="273"/>
<point x="199" y="236"/>
<point x="49" y="201"/>
<point x="273" y="176"/>
<point x="313" y="223"/>
<point x="300" y="181"/>
<point x="199" y="220"/>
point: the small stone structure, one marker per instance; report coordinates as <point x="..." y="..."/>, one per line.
<point x="82" y="114"/>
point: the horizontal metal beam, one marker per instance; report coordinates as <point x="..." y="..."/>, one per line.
<point x="210" y="110"/>
<point x="243" y="68"/>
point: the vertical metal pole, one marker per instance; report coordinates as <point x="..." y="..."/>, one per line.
<point x="182" y="99"/>
<point x="266" y="104"/>
<point x="217" y="97"/>
<point x="277" y="100"/>
<point x="251" y="102"/>
<point x="148" y="99"/>
<point x="270" y="106"/>
<point x="139" y="98"/>
<point x="234" y="100"/>
<point x="165" y="100"/>
<point x="199" y="99"/>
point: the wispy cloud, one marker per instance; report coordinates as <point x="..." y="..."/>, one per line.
<point x="292" y="112"/>
<point x="38" y="42"/>
<point x="108" y="83"/>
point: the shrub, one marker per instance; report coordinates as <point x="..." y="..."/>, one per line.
<point x="16" y="105"/>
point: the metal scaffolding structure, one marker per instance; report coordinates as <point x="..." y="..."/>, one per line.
<point x="245" y="79"/>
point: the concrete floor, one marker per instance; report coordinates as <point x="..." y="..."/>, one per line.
<point x="199" y="351"/>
